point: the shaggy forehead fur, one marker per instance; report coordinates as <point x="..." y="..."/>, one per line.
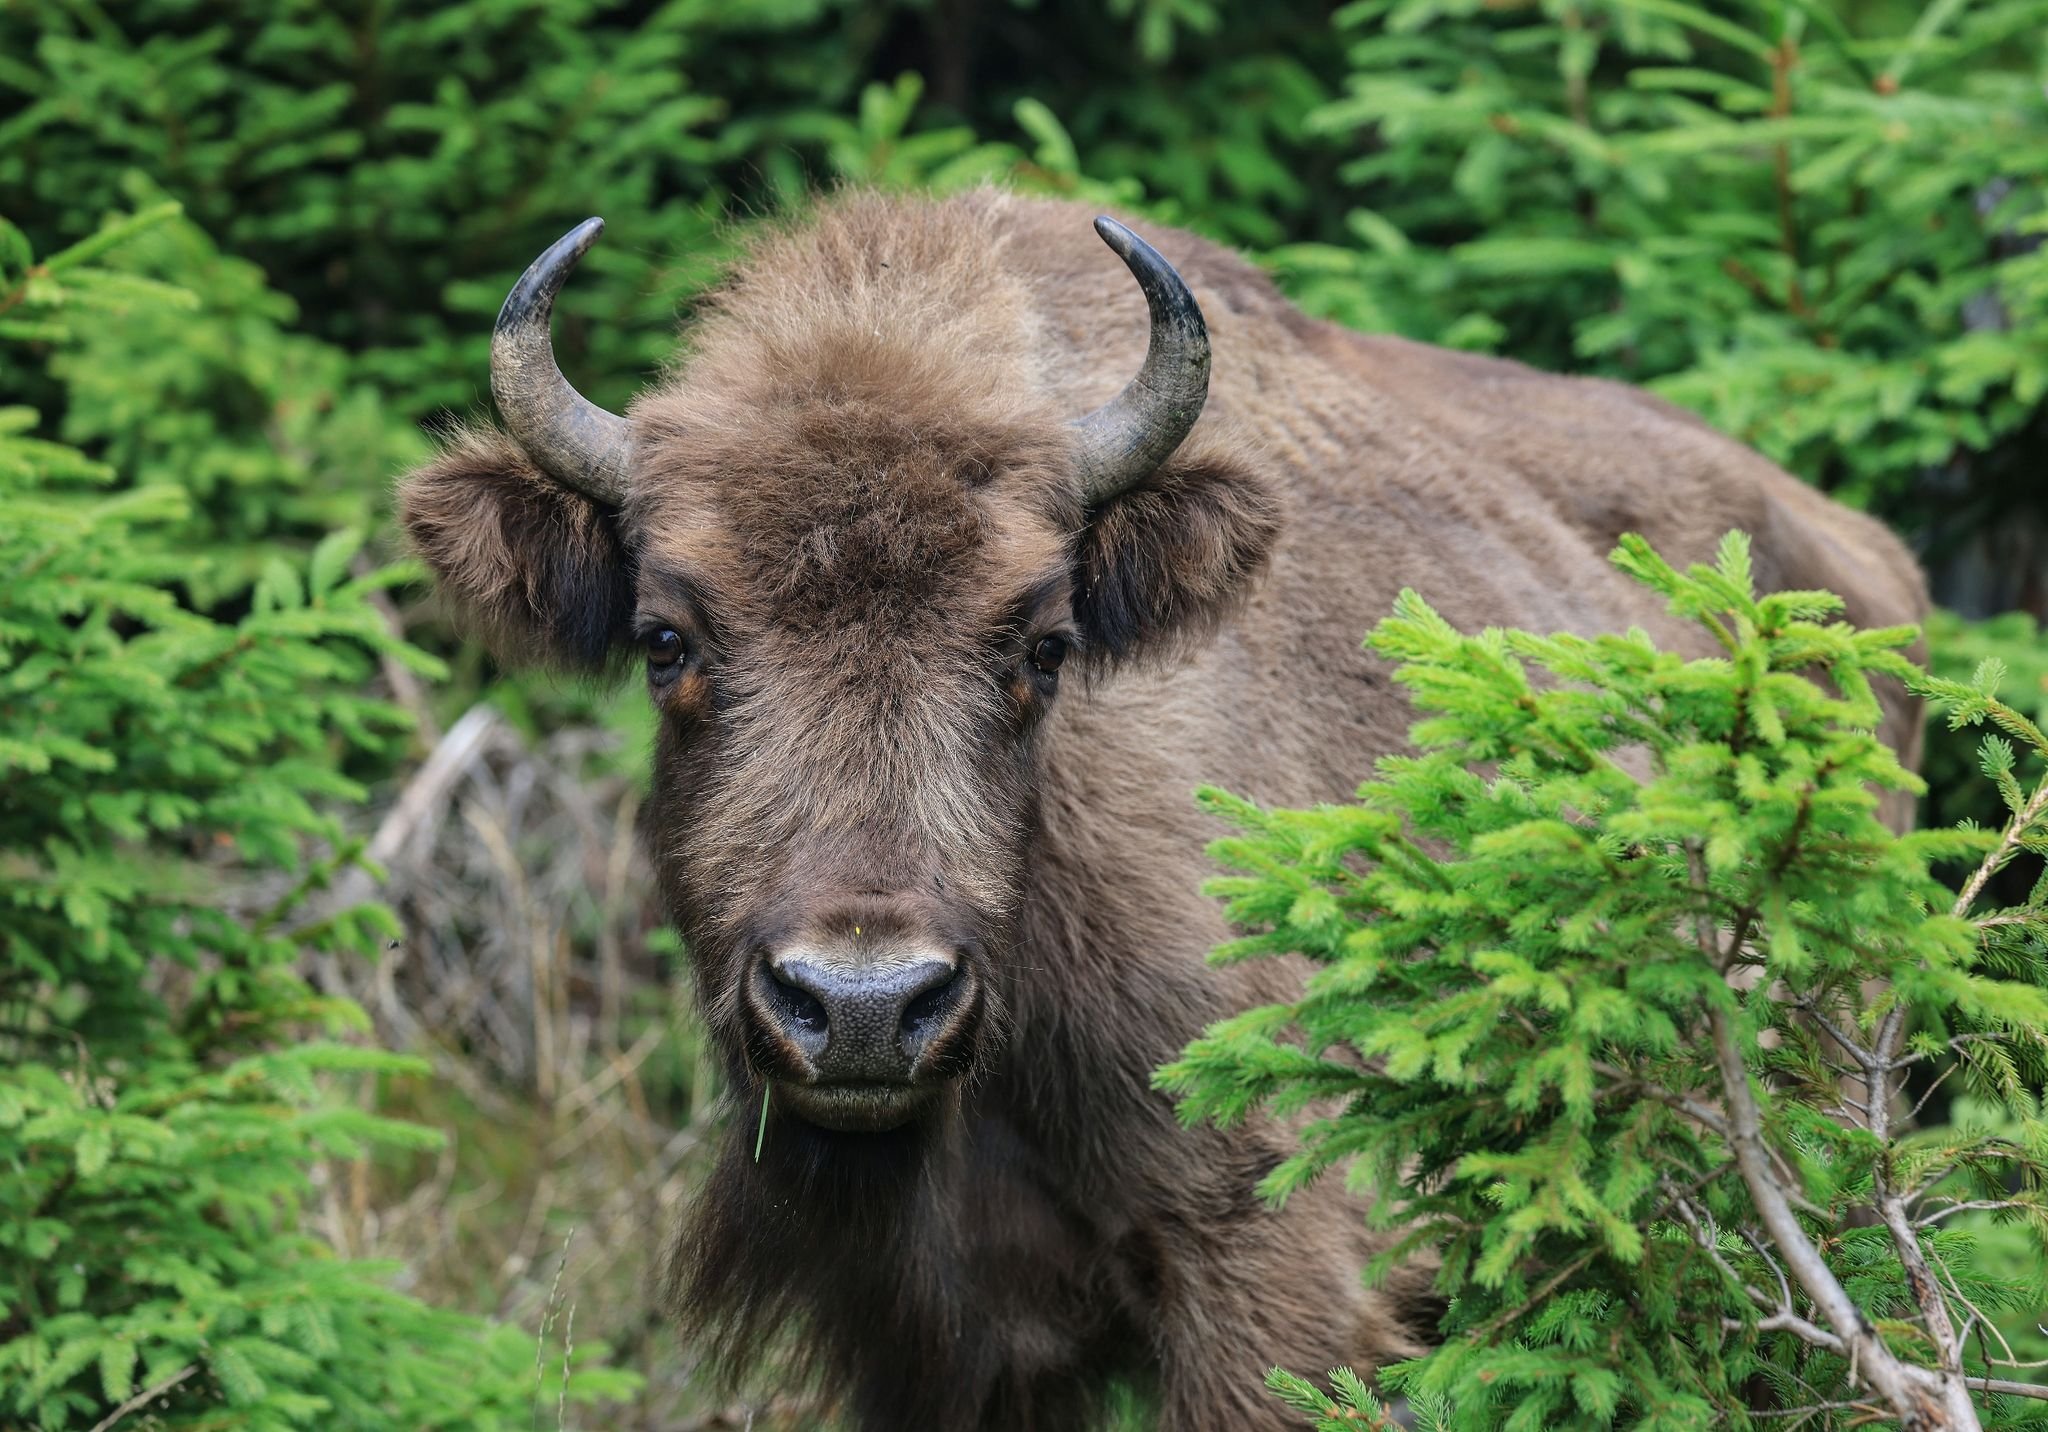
<point x="856" y="445"/>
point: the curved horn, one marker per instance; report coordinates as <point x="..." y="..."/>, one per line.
<point x="1125" y="439"/>
<point x="568" y="437"/>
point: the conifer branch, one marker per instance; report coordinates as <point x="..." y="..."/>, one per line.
<point x="2008" y="846"/>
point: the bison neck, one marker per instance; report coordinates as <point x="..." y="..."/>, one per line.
<point x="931" y="1278"/>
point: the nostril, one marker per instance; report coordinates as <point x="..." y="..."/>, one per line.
<point x="799" y="1006"/>
<point x="930" y="1006"/>
<point x="926" y="1007"/>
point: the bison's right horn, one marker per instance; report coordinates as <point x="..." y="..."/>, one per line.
<point x="1125" y="440"/>
<point x="568" y="437"/>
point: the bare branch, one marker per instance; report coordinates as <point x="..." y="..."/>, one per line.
<point x="1550" y="1285"/>
<point x="1918" y="1397"/>
<point x="1815" y="1409"/>
<point x="1692" y="1108"/>
<point x="145" y="1397"/>
<point x="1784" y="1288"/>
<point x="1704" y="1237"/>
<point x="2035" y="1390"/>
<point x="425" y="792"/>
<point x="1967" y="1205"/>
<point x="1786" y="1321"/>
<point x="1862" y="1056"/>
<point x="2028" y="917"/>
<point x="1928" y="1185"/>
<point x="1703" y="923"/>
<point x="1920" y="1103"/>
<point x="1783" y="1317"/>
<point x="1976" y="1315"/>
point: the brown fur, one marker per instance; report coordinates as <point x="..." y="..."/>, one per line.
<point x="851" y="497"/>
<point x="539" y="572"/>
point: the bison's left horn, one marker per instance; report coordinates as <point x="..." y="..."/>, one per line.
<point x="1125" y="439"/>
<point x="569" y="437"/>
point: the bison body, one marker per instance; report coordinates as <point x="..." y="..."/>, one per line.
<point x="943" y="901"/>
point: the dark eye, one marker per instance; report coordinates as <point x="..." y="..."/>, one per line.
<point x="1049" y="653"/>
<point x="664" y="649"/>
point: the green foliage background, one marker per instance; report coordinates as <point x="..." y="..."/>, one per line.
<point x="1817" y="222"/>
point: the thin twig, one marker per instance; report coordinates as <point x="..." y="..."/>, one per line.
<point x="1913" y="1114"/>
<point x="1703" y="1236"/>
<point x="1856" y="1051"/>
<point x="1976" y="1316"/>
<point x="1814" y="1410"/>
<point x="2011" y="1389"/>
<point x="1550" y="1284"/>
<point x="1964" y="1206"/>
<point x="1691" y="1108"/>
<point x="1784" y="1288"/>
<point x="143" y="1397"/>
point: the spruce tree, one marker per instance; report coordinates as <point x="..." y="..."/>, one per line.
<point x="169" y="779"/>
<point x="1623" y="1003"/>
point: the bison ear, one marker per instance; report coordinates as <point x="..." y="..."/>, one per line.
<point x="535" y="570"/>
<point x="1160" y="565"/>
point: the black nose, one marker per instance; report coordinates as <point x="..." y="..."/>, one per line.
<point x="869" y="1021"/>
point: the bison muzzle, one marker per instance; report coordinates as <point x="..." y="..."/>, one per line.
<point x="952" y="573"/>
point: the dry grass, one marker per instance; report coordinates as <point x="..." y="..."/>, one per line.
<point x="537" y="977"/>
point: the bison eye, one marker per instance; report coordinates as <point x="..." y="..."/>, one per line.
<point x="664" y="650"/>
<point x="1049" y="653"/>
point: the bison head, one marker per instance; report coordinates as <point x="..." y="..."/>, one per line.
<point x="859" y="543"/>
